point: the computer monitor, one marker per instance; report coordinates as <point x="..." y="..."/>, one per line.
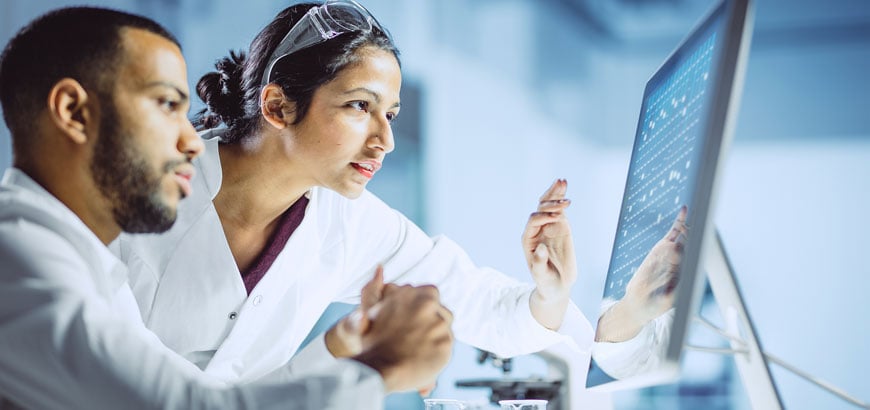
<point x="654" y="281"/>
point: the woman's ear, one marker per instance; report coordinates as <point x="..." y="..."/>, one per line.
<point x="69" y="110"/>
<point x="275" y="108"/>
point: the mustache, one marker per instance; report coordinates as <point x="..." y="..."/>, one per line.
<point x="170" y="166"/>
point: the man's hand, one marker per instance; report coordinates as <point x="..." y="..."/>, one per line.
<point x="549" y="251"/>
<point x="409" y="339"/>
<point x="345" y="338"/>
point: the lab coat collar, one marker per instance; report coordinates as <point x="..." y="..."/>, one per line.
<point x="39" y="206"/>
<point x="209" y="160"/>
<point x="297" y="257"/>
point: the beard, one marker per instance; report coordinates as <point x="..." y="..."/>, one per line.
<point x="123" y="175"/>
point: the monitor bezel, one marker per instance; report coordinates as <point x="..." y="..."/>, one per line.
<point x="722" y="115"/>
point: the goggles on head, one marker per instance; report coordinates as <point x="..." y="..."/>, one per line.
<point x="319" y="24"/>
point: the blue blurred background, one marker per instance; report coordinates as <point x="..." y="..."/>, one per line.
<point x="500" y="97"/>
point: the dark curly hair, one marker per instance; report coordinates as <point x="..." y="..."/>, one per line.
<point x="232" y="93"/>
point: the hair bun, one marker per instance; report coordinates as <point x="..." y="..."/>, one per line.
<point x="221" y="91"/>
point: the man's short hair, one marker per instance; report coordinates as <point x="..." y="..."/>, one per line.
<point x="82" y="43"/>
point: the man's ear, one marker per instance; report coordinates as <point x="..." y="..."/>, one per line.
<point x="68" y="109"/>
<point x="276" y="110"/>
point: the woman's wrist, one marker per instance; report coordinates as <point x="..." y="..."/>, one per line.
<point x="549" y="311"/>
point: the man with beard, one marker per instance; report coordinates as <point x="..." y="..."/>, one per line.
<point x="96" y="103"/>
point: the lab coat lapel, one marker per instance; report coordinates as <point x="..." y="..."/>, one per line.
<point x="201" y="283"/>
<point x="262" y="306"/>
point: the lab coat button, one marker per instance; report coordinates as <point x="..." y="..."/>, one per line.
<point x="257" y="299"/>
<point x="233" y="315"/>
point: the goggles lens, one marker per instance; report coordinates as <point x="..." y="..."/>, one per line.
<point x="321" y="23"/>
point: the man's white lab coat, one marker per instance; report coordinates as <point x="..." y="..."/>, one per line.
<point x="71" y="336"/>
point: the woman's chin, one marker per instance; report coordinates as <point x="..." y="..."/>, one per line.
<point x="349" y="192"/>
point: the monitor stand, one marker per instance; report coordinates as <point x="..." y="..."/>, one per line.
<point x="751" y="360"/>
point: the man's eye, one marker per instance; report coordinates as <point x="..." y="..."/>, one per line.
<point x="391" y="116"/>
<point x="359" y="105"/>
<point x="169" y="104"/>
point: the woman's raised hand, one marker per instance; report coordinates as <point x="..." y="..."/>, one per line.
<point x="549" y="251"/>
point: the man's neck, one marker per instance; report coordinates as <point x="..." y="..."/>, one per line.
<point x="82" y="198"/>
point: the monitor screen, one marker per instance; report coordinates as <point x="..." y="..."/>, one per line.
<point x="651" y="291"/>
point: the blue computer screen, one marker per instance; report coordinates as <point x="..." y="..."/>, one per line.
<point x="674" y="131"/>
<point x="665" y="160"/>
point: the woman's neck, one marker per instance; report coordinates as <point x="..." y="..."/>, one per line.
<point x="258" y="183"/>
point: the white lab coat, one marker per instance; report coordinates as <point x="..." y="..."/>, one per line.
<point x="191" y="293"/>
<point x="71" y="336"/>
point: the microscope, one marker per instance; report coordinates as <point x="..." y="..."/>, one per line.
<point x="563" y="386"/>
<point x="550" y="388"/>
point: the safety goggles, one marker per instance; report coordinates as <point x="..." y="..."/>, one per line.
<point x="321" y="23"/>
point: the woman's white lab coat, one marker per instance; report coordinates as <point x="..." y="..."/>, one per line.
<point x="191" y="294"/>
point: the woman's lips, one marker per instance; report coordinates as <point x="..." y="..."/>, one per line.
<point x="367" y="168"/>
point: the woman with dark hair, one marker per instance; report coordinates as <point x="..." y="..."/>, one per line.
<point x="280" y="225"/>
